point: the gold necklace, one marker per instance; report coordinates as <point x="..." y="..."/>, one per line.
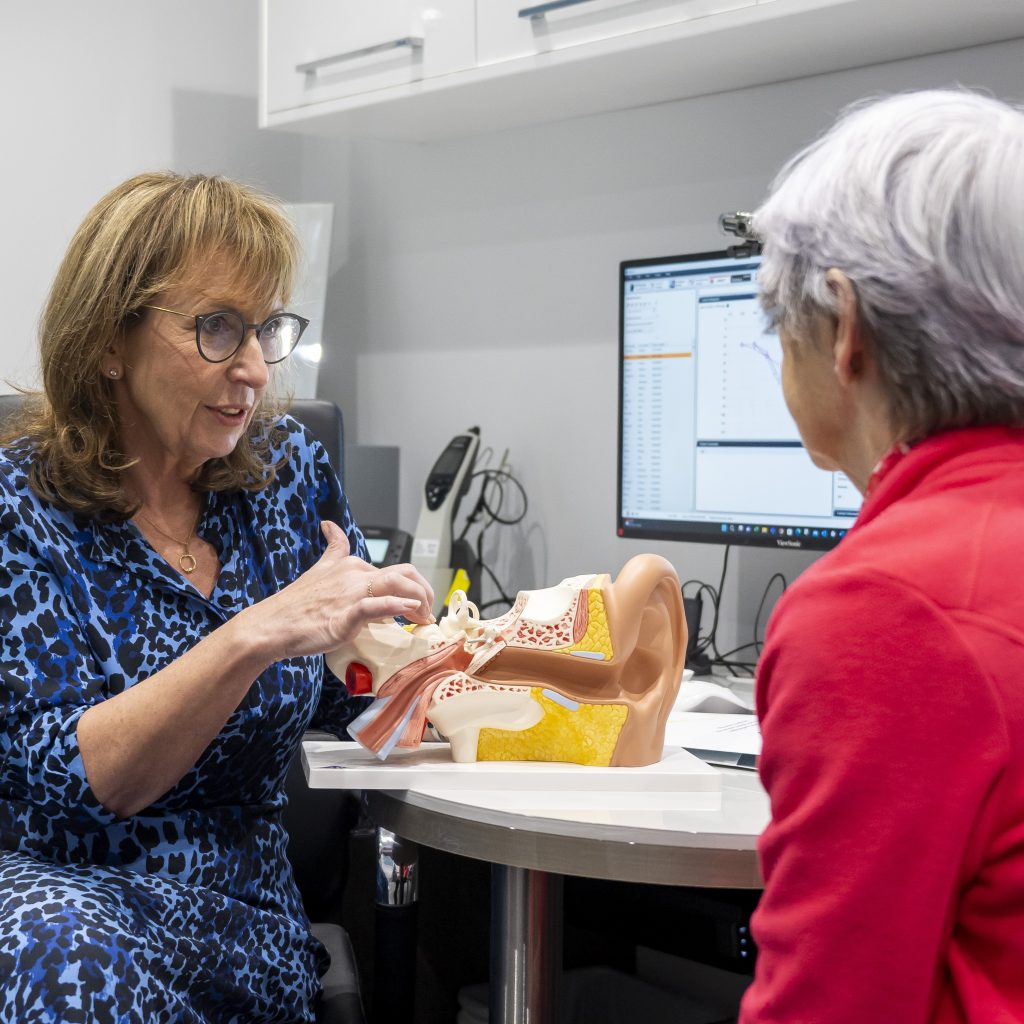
<point x="186" y="560"/>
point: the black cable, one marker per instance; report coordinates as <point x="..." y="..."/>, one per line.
<point x="718" y="603"/>
<point x="489" y="476"/>
<point x="488" y="511"/>
<point x="504" y="598"/>
<point x="710" y="640"/>
<point x="496" y="478"/>
<point x="736" y="650"/>
<point x="759" y="643"/>
<point x="748" y="667"/>
<point x="702" y="642"/>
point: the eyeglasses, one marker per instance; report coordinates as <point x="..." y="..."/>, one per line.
<point x="220" y="335"/>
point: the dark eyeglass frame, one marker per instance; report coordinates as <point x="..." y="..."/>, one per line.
<point x="201" y="318"/>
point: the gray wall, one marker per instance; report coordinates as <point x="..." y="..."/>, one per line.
<point x="476" y="284"/>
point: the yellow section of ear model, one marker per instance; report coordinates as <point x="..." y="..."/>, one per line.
<point x="576" y="733"/>
<point x="597" y="641"/>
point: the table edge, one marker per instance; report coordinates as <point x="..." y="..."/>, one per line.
<point x="424" y="819"/>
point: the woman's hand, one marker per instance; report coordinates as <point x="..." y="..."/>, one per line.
<point x="332" y="601"/>
<point x="138" y="744"/>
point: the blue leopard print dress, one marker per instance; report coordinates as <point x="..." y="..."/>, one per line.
<point x="186" y="911"/>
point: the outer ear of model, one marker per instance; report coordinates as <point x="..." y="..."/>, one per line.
<point x="585" y="672"/>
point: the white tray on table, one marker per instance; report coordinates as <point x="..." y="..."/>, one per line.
<point x="679" y="780"/>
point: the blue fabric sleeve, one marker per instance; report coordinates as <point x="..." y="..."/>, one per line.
<point x="47" y="681"/>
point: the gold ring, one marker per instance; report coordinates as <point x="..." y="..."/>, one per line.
<point x="369" y="586"/>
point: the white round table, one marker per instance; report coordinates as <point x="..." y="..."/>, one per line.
<point x="533" y="839"/>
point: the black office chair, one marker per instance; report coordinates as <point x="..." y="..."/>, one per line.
<point x="318" y="821"/>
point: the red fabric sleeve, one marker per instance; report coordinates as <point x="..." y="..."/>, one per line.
<point x="881" y="741"/>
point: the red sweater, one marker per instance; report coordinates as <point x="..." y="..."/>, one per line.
<point x="891" y="699"/>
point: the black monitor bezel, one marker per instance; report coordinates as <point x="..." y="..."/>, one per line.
<point x="683" y="530"/>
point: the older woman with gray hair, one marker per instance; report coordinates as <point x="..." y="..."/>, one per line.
<point x="891" y="687"/>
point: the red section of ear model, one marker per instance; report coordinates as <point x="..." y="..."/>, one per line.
<point x="358" y="679"/>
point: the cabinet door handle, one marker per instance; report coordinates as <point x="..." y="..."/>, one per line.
<point x="313" y="66"/>
<point x="539" y="10"/>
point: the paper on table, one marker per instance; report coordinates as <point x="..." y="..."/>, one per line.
<point x="698" y="730"/>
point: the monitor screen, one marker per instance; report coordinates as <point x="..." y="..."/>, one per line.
<point x="377" y="549"/>
<point x="707" y="448"/>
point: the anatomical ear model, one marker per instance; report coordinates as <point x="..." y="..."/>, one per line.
<point x="584" y="672"/>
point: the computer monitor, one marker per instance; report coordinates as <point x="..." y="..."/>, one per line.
<point x="707" y="448"/>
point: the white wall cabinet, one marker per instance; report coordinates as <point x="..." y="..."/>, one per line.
<point x="317" y="51"/>
<point x="507" y="29"/>
<point x="401" y="69"/>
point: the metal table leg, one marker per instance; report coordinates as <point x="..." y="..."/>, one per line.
<point x="394" y="976"/>
<point x="526" y="945"/>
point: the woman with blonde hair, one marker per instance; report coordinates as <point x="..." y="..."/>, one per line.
<point x="168" y="587"/>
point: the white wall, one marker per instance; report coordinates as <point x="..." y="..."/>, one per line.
<point x="476" y="284"/>
<point x="95" y="92"/>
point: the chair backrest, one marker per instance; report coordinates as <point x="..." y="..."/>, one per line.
<point x="324" y="421"/>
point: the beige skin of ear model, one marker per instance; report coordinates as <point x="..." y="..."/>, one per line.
<point x="636" y="662"/>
